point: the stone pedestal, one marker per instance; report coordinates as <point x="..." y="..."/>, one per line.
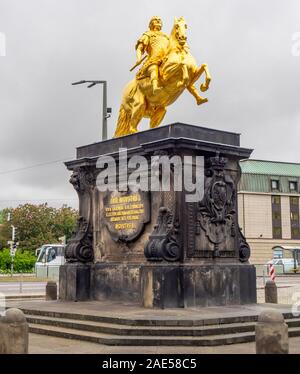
<point x="116" y="281"/>
<point x="74" y="282"/>
<point x="162" y="286"/>
<point x="160" y="247"/>
<point x="174" y="286"/>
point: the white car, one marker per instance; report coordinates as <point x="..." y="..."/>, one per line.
<point x="50" y="258"/>
<point x="287" y="263"/>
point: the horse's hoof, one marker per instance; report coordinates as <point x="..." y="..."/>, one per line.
<point x="202" y="101"/>
<point x="204" y="87"/>
<point x="132" y="130"/>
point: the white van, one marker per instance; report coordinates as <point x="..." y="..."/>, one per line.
<point x="50" y="258"/>
<point x="288" y="264"/>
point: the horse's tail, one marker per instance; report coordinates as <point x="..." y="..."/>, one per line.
<point x="123" y="125"/>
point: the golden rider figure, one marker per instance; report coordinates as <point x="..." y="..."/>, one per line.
<point x="155" y="43"/>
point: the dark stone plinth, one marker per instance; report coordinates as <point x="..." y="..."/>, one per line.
<point x="164" y="133"/>
<point x="74" y="282"/>
<point x="116" y="281"/>
<point x="271" y="295"/>
<point x="163" y="249"/>
<point x="162" y="286"/>
<point x="174" y="286"/>
<point x="51" y="290"/>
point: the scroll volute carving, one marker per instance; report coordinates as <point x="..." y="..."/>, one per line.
<point x="163" y="242"/>
<point x="80" y="246"/>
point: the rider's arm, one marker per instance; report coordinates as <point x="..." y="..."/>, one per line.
<point x="141" y="46"/>
<point x="139" y="52"/>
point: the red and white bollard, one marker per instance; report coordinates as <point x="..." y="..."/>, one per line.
<point x="272" y="272"/>
<point x="271" y="288"/>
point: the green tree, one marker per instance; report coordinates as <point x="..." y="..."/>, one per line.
<point x="5" y="229"/>
<point x="37" y="225"/>
<point x="1" y="217"/>
<point x="64" y="221"/>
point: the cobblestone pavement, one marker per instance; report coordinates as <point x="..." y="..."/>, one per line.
<point x="41" y="344"/>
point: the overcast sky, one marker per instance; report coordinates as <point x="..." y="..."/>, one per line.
<point x="51" y="43"/>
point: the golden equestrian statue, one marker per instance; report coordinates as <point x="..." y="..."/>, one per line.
<point x="168" y="70"/>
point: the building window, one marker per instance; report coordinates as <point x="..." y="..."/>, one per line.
<point x="275" y="184"/>
<point x="294" y="208"/>
<point x="276" y="217"/>
<point x="277" y="252"/>
<point x="294" y="201"/>
<point x="293" y="186"/>
<point x="294" y="216"/>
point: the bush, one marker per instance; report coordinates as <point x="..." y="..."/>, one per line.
<point x="23" y="262"/>
<point x="5" y="261"/>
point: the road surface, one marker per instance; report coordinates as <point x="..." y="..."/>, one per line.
<point x="15" y="288"/>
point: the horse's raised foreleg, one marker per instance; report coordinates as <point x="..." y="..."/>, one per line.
<point x="193" y="90"/>
<point x="185" y="77"/>
<point x="205" y="86"/>
<point x="157" y="116"/>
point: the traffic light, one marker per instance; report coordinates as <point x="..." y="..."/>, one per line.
<point x="15" y="245"/>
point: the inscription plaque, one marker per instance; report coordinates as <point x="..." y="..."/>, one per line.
<point x="126" y="214"/>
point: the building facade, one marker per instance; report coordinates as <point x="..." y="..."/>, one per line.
<point x="268" y="208"/>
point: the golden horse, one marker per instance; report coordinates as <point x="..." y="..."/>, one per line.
<point x="178" y="71"/>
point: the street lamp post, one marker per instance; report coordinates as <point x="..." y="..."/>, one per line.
<point x="106" y="112"/>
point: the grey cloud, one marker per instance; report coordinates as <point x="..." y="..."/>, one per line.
<point x="51" y="43"/>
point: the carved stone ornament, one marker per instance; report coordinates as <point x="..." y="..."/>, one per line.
<point x="244" y="249"/>
<point x="163" y="243"/>
<point x="80" y="246"/>
<point x="82" y="179"/>
<point x="216" y="212"/>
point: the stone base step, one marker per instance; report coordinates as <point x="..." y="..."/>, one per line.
<point x="109" y="339"/>
<point x="135" y="326"/>
<point x="134" y="321"/>
<point x="110" y="334"/>
<point x="118" y="329"/>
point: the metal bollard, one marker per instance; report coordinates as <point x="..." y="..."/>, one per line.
<point x="271" y="333"/>
<point x="51" y="290"/>
<point x="13" y="332"/>
<point x="271" y="292"/>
